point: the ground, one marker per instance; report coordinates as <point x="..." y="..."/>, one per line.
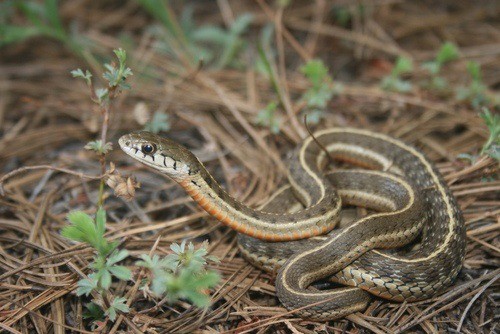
<point x="231" y="80"/>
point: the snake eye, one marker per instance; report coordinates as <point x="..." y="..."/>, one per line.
<point x="148" y="148"/>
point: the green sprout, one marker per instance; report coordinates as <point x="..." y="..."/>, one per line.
<point x="158" y="123"/>
<point x="98" y="147"/>
<point x="447" y="53"/>
<point x="211" y="44"/>
<point x="321" y="91"/>
<point x="475" y="93"/>
<point x="43" y="19"/>
<point x="267" y="117"/>
<point x="492" y="145"/>
<point x="83" y="228"/>
<point x="393" y="81"/>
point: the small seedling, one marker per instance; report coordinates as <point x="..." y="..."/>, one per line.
<point x="321" y="91"/>
<point x="226" y="45"/>
<point x="118" y="304"/>
<point x="83" y="228"/>
<point x="158" y="123"/>
<point x="115" y="76"/>
<point x="447" y="53"/>
<point x="267" y="117"/>
<point x="213" y="45"/>
<point x="475" y="93"/>
<point x="393" y="82"/>
<point x="98" y="147"/>
<point x="182" y="274"/>
<point x="43" y="19"/>
<point x="492" y="145"/>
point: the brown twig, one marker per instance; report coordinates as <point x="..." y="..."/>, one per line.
<point x="58" y="169"/>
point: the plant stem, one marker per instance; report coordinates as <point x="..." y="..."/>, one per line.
<point x="106" y="111"/>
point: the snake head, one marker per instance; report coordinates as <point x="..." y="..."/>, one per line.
<point x="160" y="153"/>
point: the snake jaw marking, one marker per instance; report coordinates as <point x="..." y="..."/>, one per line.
<point x="406" y="191"/>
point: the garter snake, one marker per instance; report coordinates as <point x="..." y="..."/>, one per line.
<point x="407" y="188"/>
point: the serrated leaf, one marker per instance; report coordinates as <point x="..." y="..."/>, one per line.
<point x="121" y="272"/>
<point x="117" y="257"/>
<point x="86" y="286"/>
<point x="100" y="219"/>
<point x="159" y="122"/>
<point x="105" y="279"/>
<point x="111" y="313"/>
<point x="78" y="73"/>
<point x="82" y="228"/>
<point x="315" y="71"/>
<point x="121" y="55"/>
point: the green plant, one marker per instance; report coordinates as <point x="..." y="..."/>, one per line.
<point x="475" y="93"/>
<point x="393" y="81"/>
<point x="229" y="42"/>
<point x="83" y="228"/>
<point x="267" y="117"/>
<point x="321" y="91"/>
<point x="43" y="20"/>
<point x="213" y="45"/>
<point x="447" y="53"/>
<point x="492" y="145"/>
<point x="182" y="274"/>
<point x="115" y="76"/>
<point x="159" y="122"/>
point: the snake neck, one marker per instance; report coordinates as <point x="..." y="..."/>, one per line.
<point x="315" y="220"/>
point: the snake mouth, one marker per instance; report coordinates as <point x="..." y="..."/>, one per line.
<point x="125" y="142"/>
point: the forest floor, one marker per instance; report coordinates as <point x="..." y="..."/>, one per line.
<point x="231" y="80"/>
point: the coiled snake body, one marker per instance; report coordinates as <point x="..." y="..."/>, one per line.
<point x="407" y="190"/>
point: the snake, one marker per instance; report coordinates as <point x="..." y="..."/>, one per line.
<point x="293" y="235"/>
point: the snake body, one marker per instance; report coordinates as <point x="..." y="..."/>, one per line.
<point x="407" y="188"/>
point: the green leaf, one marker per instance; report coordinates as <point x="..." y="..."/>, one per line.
<point x="121" y="272"/>
<point x="100" y="219"/>
<point x="82" y="228"/>
<point x="111" y="313"/>
<point x="447" y="53"/>
<point x="159" y="122"/>
<point x="117" y="257"/>
<point x="211" y="34"/>
<point x="492" y="121"/>
<point x="267" y="117"/>
<point x="93" y="312"/>
<point x="178" y="249"/>
<point x="102" y="94"/>
<point x="105" y="279"/>
<point x="474" y="70"/>
<point x="403" y="65"/>
<point x="86" y="286"/>
<point x="98" y="147"/>
<point x="241" y="24"/>
<point x="121" y="55"/>
<point x="120" y="304"/>
<point x="432" y="66"/>
<point x="315" y="71"/>
<point x="15" y="34"/>
<point x="78" y="73"/>
<point x="395" y="84"/>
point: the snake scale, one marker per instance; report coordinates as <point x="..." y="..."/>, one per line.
<point x="406" y="190"/>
